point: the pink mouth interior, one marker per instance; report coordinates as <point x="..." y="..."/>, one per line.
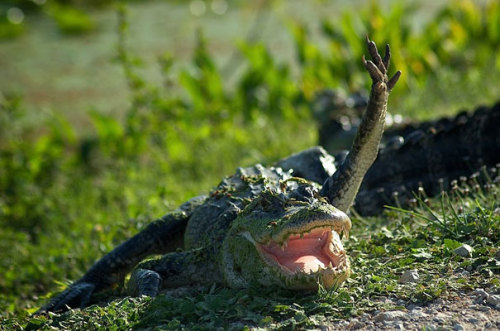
<point x="304" y="254"/>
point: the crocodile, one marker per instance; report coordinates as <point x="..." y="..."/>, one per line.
<point x="427" y="158"/>
<point x="423" y="158"/>
<point x="263" y="226"/>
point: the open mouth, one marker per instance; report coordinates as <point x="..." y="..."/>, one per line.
<point x="304" y="256"/>
<point x="308" y="253"/>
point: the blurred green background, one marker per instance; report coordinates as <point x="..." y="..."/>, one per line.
<point x="111" y="114"/>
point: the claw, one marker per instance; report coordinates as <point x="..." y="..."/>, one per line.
<point x="387" y="56"/>
<point x="372" y="49"/>
<point x="77" y="295"/>
<point x="377" y="68"/>
<point x="393" y="80"/>
<point x="374" y="72"/>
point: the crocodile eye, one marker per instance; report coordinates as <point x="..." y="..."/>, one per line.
<point x="304" y="193"/>
<point x="270" y="202"/>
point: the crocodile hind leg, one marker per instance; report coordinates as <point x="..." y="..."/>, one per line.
<point x="159" y="237"/>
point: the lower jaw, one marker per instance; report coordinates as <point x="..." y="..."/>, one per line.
<point x="327" y="278"/>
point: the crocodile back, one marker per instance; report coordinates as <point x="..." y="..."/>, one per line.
<point x="431" y="156"/>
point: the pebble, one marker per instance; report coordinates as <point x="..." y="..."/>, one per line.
<point x="493" y="300"/>
<point x="391" y="316"/>
<point x="464" y="251"/>
<point x="464" y="311"/>
<point x="344" y="323"/>
<point x="409" y="276"/>
<point x="418" y="314"/>
<point x="484" y="308"/>
<point x="388" y="324"/>
<point x="480" y="295"/>
<point x="438" y="320"/>
<point x="399" y="326"/>
<point x="431" y="311"/>
<point x="365" y="317"/>
<point x="400" y="302"/>
<point x="439" y="301"/>
<point x="356" y="325"/>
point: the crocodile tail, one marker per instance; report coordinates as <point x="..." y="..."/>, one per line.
<point x="431" y="156"/>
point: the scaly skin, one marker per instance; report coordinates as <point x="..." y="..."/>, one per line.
<point x="267" y="234"/>
<point x="414" y="157"/>
<point x="260" y="226"/>
<point x="430" y="156"/>
<point x="342" y="187"/>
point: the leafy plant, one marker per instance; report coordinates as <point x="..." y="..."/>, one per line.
<point x="448" y="216"/>
<point x="68" y="197"/>
<point x="70" y="20"/>
<point x="460" y="39"/>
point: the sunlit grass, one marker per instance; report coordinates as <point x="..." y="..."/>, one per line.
<point x="378" y="258"/>
<point x="66" y="198"/>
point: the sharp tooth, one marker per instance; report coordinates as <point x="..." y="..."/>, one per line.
<point x="346" y="231"/>
<point x="285" y="244"/>
<point x="319" y="268"/>
<point x="282" y="247"/>
<point x="330" y="265"/>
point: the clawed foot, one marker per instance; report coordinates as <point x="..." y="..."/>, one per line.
<point x="377" y="67"/>
<point x="144" y="282"/>
<point x="76" y="296"/>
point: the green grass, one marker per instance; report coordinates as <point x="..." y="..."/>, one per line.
<point x="67" y="197"/>
<point x="379" y="257"/>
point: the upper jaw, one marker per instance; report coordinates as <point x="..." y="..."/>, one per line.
<point x="300" y="221"/>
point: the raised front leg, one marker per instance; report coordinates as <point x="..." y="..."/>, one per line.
<point x="161" y="236"/>
<point x="342" y="187"/>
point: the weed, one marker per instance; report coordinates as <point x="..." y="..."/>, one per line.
<point x="66" y="199"/>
